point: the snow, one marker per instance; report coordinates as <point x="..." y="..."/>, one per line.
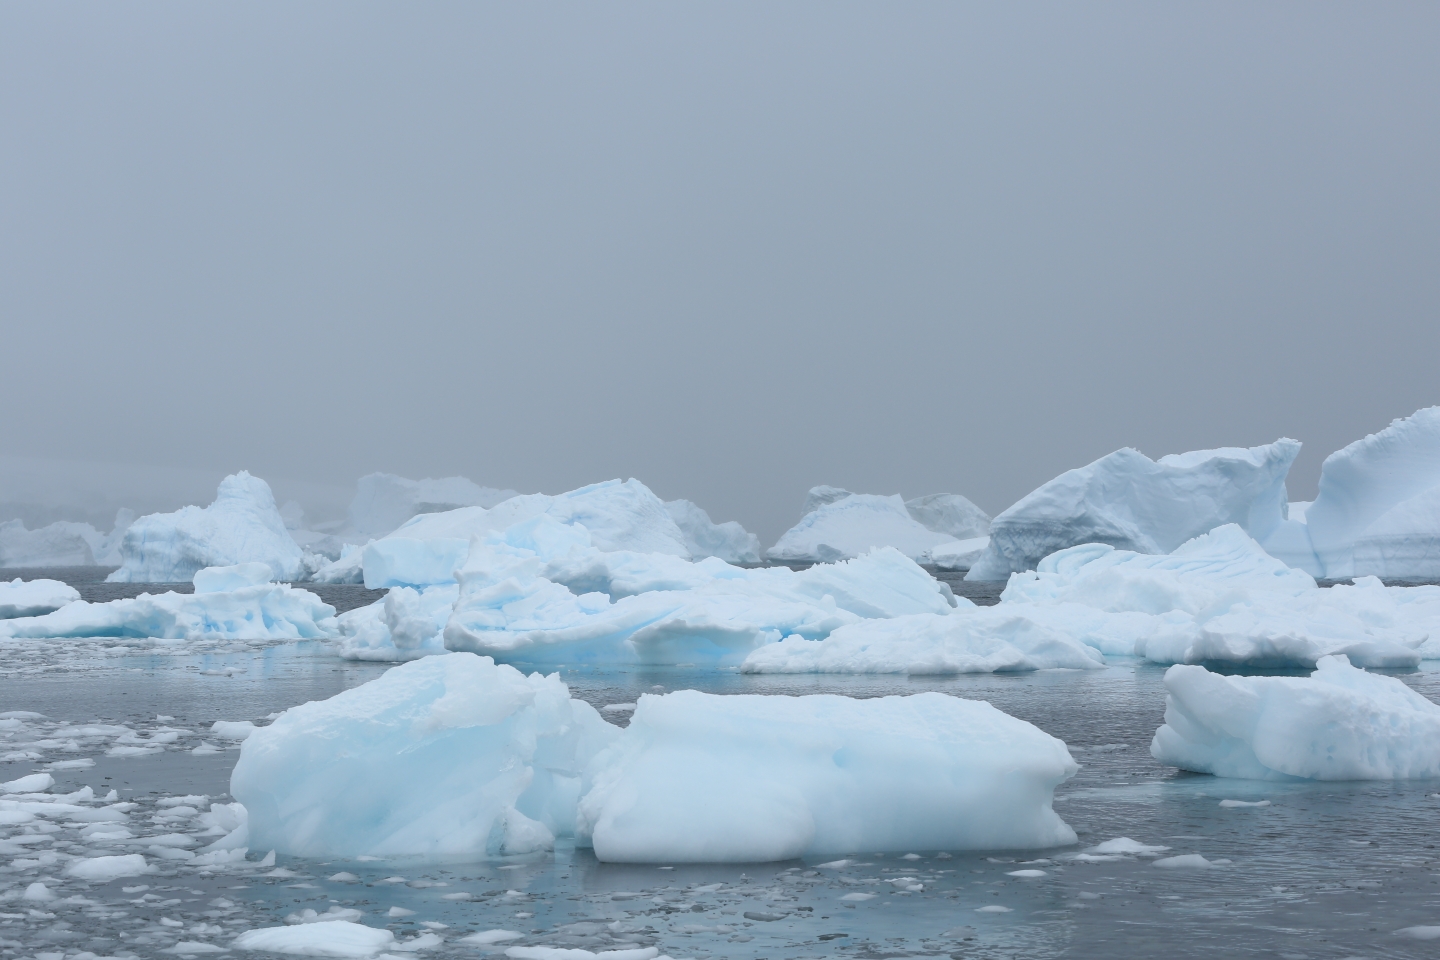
<point x="1378" y="509"/>
<point x="704" y="538"/>
<point x="384" y="501"/>
<point x="1340" y="723"/>
<point x="328" y="938"/>
<point x="970" y="640"/>
<point x="960" y="554"/>
<point x="242" y="525"/>
<point x="951" y="514"/>
<point x="31" y="598"/>
<point x="704" y="778"/>
<point x="852" y="525"/>
<point x="61" y="544"/>
<point x="372" y="771"/>
<point x="1134" y="503"/>
<point x="266" y="611"/>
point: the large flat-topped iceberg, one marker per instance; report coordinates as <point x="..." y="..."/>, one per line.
<point x="1134" y="503"/>
<point x="1338" y="724"/>
<point x="851" y="525"/>
<point x="447" y="758"/>
<point x="698" y="778"/>
<point x="228" y="604"/>
<point x="1378" y="510"/>
<point x="383" y="501"/>
<point x="31" y="598"/>
<point x="242" y="525"/>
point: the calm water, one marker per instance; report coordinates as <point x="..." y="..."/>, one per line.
<point x="1326" y="870"/>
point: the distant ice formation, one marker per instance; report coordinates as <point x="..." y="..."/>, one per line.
<point x="1134" y="503"/>
<point x="699" y="778"/>
<point x="837" y="524"/>
<point x="383" y="501"/>
<point x="242" y="525"/>
<point x="704" y="538"/>
<point x="1340" y="723"/>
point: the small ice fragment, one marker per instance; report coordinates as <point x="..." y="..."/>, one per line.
<point x="490" y="936"/>
<point x="34" y="783"/>
<point x="858" y="896"/>
<point x="618" y="708"/>
<point x="400" y="912"/>
<point x="331" y="938"/>
<point x="1244" y="803"/>
<point x="343" y="877"/>
<point x="1186" y="861"/>
<point x="37" y="891"/>
<point x="911" y="856"/>
<point x="1026" y="874"/>
<point x="232" y="729"/>
<point x="190" y="948"/>
<point x="834" y="865"/>
<point x="1419" y="933"/>
<point x="103" y="869"/>
<point x="763" y="916"/>
<point x="993" y="908"/>
<point x="1125" y="845"/>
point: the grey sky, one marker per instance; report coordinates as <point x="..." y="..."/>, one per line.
<point x="731" y="249"/>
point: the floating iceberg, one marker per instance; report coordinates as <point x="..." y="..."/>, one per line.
<point x="851" y="525"/>
<point x="406" y="624"/>
<point x="220" y="609"/>
<point x="959" y="554"/>
<point x="704" y="538"/>
<point x="1134" y="503"/>
<point x="702" y="778"/>
<point x="60" y="544"/>
<point x="971" y="640"/>
<point x="31" y="598"/>
<point x="384" y="501"/>
<point x="1341" y="723"/>
<point x="450" y="757"/>
<point x="242" y="525"/>
<point x="951" y="514"/>
<point x="1378" y="510"/>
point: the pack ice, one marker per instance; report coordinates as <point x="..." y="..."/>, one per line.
<point x="229" y="603"/>
<point x="1340" y="723"/>
<point x="241" y="526"/>
<point x="704" y="778"/>
<point x="1137" y="504"/>
<point x="838" y="524"/>
<point x="450" y="757"/>
<point x="31" y="598"/>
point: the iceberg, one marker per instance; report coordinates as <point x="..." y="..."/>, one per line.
<point x="60" y="544"/>
<point x="971" y="640"/>
<point x="406" y="624"/>
<point x="373" y="771"/>
<point x="851" y="525"/>
<point x="242" y="525"/>
<point x="699" y="778"/>
<point x="1134" y="503"/>
<point x="220" y="609"/>
<point x="384" y="501"/>
<point x="31" y="598"/>
<point x="960" y="554"/>
<point x="1378" y="509"/>
<point x="1340" y="723"/>
<point x="951" y="514"/>
<point x="703" y="538"/>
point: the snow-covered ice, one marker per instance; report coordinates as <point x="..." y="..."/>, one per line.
<point x="242" y="525"/>
<point x="851" y="525"/>
<point x="1340" y="723"/>
<point x="373" y="771"/>
<point x="704" y="778"/>
<point x="1134" y="503"/>
<point x="31" y="598"/>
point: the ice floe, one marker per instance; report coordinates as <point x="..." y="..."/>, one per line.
<point x="31" y="598"/>
<point x="1340" y="723"/>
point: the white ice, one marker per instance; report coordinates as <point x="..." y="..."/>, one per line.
<point x="1340" y="723"/>
<point x="31" y="598"/>
<point x="853" y="524"/>
<point x="1134" y="503"/>
<point x="373" y="771"/>
<point x="704" y="778"/>
<point x="326" y="938"/>
<point x="241" y="526"/>
<point x="60" y="544"/>
<point x="704" y="538"/>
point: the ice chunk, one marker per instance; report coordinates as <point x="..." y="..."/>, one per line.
<point x="327" y="938"/>
<point x="105" y="869"/>
<point x="404" y="561"/>
<point x="347" y="568"/>
<point x="404" y="625"/>
<point x="34" y="783"/>
<point x="971" y="640"/>
<point x="241" y="526"/>
<point x="704" y="778"/>
<point x="959" y="554"/>
<point x="373" y="771"/>
<point x="1340" y="723"/>
<point x="61" y="544"/>
<point x="384" y="501"/>
<point x="233" y="729"/>
<point x="1362" y="483"/>
<point x="231" y="578"/>
<point x="269" y="611"/>
<point x="951" y="514"/>
<point x="729" y="541"/>
<point x="852" y="525"/>
<point x="31" y="598"/>
<point x="1134" y="503"/>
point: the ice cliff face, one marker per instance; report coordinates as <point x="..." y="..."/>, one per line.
<point x="1134" y="503"/>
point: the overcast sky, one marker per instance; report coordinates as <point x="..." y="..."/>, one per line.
<point x="731" y="249"/>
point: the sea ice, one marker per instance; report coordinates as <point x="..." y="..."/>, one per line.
<point x="263" y="611"/>
<point x="31" y="598"/>
<point x="1340" y="723"/>
<point x="704" y="538"/>
<point x="373" y="771"/>
<point x="851" y="525"/>
<point x="1134" y="503"/>
<point x="241" y="526"/>
<point x="704" y="778"/>
<point x="1378" y="510"/>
